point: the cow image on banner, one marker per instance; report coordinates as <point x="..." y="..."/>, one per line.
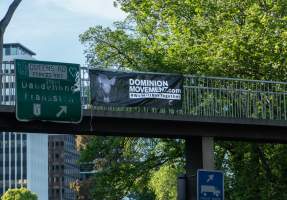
<point x="128" y="89"/>
<point x="105" y="86"/>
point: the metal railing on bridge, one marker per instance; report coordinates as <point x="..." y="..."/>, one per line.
<point x="202" y="97"/>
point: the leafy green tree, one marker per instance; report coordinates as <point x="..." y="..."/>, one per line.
<point x="124" y="165"/>
<point x="163" y="182"/>
<point x="19" y="194"/>
<point x="235" y="38"/>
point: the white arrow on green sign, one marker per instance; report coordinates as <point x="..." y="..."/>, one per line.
<point x="48" y="91"/>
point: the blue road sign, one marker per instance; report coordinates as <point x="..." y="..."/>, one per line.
<point x="210" y="185"/>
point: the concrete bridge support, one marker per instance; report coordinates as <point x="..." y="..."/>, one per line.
<point x="199" y="155"/>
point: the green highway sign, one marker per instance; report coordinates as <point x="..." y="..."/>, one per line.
<point x="48" y="91"/>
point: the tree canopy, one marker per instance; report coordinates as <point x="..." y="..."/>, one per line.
<point x="125" y="165"/>
<point x="235" y="38"/>
<point x="223" y="38"/>
<point x="19" y="194"/>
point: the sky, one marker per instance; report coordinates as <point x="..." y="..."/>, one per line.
<point x="51" y="28"/>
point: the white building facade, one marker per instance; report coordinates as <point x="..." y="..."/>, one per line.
<point x="23" y="156"/>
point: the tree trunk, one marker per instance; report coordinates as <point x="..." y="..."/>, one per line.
<point x="4" y="23"/>
<point x="1" y="47"/>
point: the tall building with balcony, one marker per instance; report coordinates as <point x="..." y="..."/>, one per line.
<point x="23" y="156"/>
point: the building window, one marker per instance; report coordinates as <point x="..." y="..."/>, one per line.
<point x="13" y="51"/>
<point x="7" y="51"/>
<point x="23" y="52"/>
<point x="56" y="179"/>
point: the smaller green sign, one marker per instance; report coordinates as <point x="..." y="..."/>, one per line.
<point x="48" y="91"/>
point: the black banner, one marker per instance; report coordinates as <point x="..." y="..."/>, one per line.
<point x="117" y="88"/>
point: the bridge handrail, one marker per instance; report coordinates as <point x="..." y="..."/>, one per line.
<point x="235" y="98"/>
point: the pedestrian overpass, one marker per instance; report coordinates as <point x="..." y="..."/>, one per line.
<point x="226" y="108"/>
<point x="213" y="107"/>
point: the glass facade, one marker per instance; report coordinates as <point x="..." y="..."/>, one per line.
<point x="13" y="146"/>
<point x="13" y="160"/>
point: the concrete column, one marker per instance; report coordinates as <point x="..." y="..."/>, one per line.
<point x="208" y="153"/>
<point x="199" y="155"/>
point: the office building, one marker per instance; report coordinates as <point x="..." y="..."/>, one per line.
<point x="63" y="168"/>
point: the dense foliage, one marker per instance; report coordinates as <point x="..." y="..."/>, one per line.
<point x="132" y="167"/>
<point x="19" y="194"/>
<point x="234" y="38"/>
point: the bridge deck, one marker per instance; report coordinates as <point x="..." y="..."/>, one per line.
<point x="129" y="124"/>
